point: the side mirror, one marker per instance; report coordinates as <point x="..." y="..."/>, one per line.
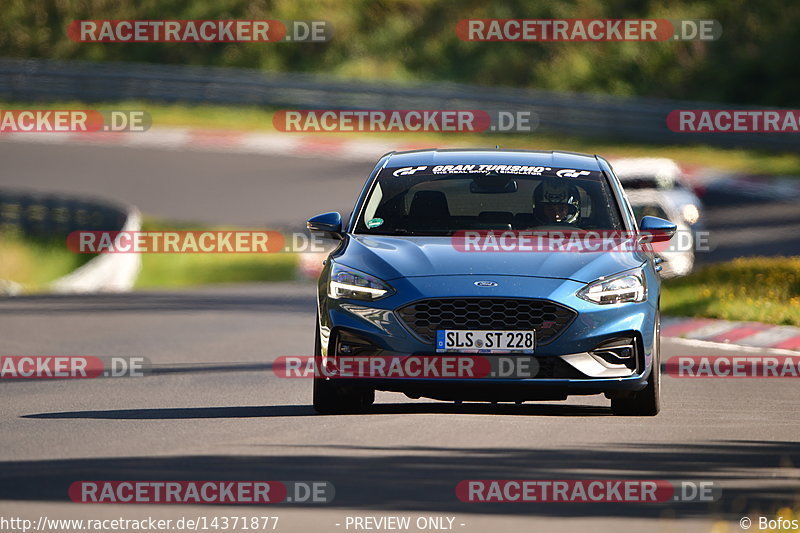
<point x="657" y="229"/>
<point x="329" y="224"/>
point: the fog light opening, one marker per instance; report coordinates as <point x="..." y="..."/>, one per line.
<point x="349" y="345"/>
<point x="617" y="352"/>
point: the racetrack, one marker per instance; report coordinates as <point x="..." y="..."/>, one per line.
<point x="204" y="186"/>
<point x="214" y="409"/>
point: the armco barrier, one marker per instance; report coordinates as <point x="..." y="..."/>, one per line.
<point x="53" y="217"/>
<point x="636" y="119"/>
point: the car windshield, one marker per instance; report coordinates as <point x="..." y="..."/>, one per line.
<point x="533" y="198"/>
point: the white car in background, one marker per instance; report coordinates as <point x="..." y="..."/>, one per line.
<point x="678" y="258"/>
<point x="665" y="176"/>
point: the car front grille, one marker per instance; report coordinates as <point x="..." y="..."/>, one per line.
<point x="425" y="317"/>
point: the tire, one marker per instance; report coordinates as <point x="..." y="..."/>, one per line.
<point x="646" y="402"/>
<point x="331" y="398"/>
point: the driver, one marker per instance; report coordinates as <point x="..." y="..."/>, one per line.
<point x="556" y="202"/>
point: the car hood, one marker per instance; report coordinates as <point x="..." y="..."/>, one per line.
<point x="398" y="257"/>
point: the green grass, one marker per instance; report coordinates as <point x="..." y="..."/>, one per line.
<point x="34" y="263"/>
<point x="762" y="289"/>
<point x="260" y="119"/>
<point x="183" y="270"/>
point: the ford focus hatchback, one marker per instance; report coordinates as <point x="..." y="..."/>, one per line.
<point x="489" y="275"/>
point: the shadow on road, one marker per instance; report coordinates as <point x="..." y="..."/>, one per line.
<point x="423" y="479"/>
<point x="307" y="410"/>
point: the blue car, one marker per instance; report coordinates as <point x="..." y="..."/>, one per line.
<point x="495" y="256"/>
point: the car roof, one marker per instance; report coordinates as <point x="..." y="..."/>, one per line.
<point x="493" y="157"/>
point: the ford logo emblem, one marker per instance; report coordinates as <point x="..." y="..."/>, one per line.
<point x="485" y="284"/>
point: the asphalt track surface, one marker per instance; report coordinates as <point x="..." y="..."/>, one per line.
<point x="213" y="409"/>
<point x="209" y="187"/>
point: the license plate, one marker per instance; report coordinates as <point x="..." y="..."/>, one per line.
<point x="485" y="341"/>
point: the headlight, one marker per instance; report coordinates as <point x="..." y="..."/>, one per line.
<point x="625" y="287"/>
<point x="346" y="282"/>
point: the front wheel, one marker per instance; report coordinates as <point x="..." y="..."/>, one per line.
<point x="332" y="398"/>
<point x="646" y="402"/>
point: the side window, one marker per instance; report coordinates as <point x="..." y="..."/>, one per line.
<point x="372" y="204"/>
<point x="627" y="211"/>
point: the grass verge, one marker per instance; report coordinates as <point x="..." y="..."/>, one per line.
<point x="33" y="263"/>
<point x="251" y="118"/>
<point x="761" y="289"/>
<point x="183" y="270"/>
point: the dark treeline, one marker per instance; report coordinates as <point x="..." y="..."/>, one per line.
<point x="755" y="61"/>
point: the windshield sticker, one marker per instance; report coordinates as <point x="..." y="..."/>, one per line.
<point x="519" y="170"/>
<point x="407" y="171"/>
<point x="570" y="173"/>
<point x="374" y="222"/>
<point x="483" y="169"/>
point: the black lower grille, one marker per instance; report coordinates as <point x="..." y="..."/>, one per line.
<point x="426" y="316"/>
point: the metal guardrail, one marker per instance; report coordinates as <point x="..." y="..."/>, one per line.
<point x="49" y="216"/>
<point x="618" y="118"/>
<point x="54" y="216"/>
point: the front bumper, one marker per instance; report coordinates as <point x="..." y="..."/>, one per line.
<point x="568" y="355"/>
